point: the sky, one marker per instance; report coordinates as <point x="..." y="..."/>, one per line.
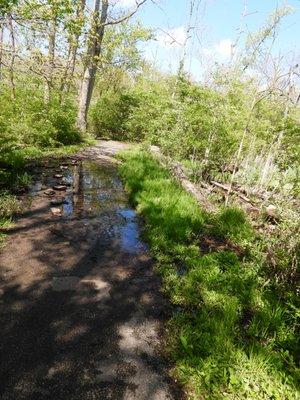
<point x="217" y="25"/>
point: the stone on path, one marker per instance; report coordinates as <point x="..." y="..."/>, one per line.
<point x="60" y="187"/>
<point x="56" y="211"/>
<point x="49" y="192"/>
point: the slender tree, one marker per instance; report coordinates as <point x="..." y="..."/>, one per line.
<point x="1" y="46"/>
<point x="74" y="37"/>
<point x="13" y="54"/>
<point x="93" y="52"/>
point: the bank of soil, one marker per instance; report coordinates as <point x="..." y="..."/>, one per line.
<point x="81" y="309"/>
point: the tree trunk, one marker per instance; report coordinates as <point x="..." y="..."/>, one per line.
<point x="239" y="152"/>
<point x="13" y="55"/>
<point x="72" y="53"/>
<point x="1" y="47"/>
<point x="93" y="52"/>
<point x="50" y="60"/>
<point x="64" y="78"/>
<point x="275" y="147"/>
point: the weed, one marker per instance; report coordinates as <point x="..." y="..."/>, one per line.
<point x="9" y="205"/>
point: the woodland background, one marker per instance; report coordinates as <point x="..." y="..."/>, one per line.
<point x="72" y="71"/>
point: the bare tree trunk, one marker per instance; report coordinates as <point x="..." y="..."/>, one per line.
<point x="74" y="49"/>
<point x="250" y="153"/>
<point x="95" y="38"/>
<point x="1" y="46"/>
<point x="208" y="149"/>
<point x="64" y="78"/>
<point x="276" y="145"/>
<point x="189" y="28"/>
<point x="94" y="50"/>
<point x="13" y="55"/>
<point x="274" y="148"/>
<point x="239" y="152"/>
<point x="51" y="59"/>
<point x="72" y="52"/>
<point x="73" y="57"/>
<point x="182" y="60"/>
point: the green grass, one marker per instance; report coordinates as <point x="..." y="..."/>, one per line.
<point x="232" y="336"/>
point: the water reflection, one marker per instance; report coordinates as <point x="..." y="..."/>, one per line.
<point x="129" y="233"/>
<point x="95" y="195"/>
<point x="78" y="192"/>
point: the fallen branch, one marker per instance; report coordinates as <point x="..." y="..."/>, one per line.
<point x="178" y="172"/>
<point x="226" y="188"/>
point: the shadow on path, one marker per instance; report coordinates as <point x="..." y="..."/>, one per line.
<point x="81" y="309"/>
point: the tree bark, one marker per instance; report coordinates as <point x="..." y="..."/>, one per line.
<point x="239" y="152"/>
<point x="51" y="59"/>
<point x="275" y="147"/>
<point x="1" y="47"/>
<point x="95" y="38"/>
<point x="72" y="53"/>
<point x="13" y="55"/>
<point x="94" y="50"/>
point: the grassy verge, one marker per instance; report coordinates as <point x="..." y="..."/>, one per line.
<point x="233" y="335"/>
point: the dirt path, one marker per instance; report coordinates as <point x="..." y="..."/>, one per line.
<point x="81" y="309"/>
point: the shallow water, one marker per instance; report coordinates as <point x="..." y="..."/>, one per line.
<point x="93" y="193"/>
<point x="81" y="307"/>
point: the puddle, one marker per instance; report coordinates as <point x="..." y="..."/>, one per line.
<point x="129" y="233"/>
<point x="94" y="195"/>
<point x="61" y="284"/>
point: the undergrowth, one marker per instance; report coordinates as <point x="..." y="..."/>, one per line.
<point x="9" y="205"/>
<point x="233" y="335"/>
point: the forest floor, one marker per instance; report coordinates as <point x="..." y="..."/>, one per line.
<point x="81" y="310"/>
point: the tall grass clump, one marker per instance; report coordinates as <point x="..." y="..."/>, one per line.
<point x="9" y="205"/>
<point x="231" y="336"/>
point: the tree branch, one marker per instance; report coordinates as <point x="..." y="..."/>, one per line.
<point x="129" y="15"/>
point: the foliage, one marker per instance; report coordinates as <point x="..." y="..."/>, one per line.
<point x="201" y="124"/>
<point x="231" y="336"/>
<point x="120" y="46"/>
<point x="6" y="6"/>
<point x="29" y="124"/>
<point x="234" y="330"/>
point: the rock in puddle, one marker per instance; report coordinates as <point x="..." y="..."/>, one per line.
<point x="49" y="192"/>
<point x="58" y="201"/>
<point x="58" y="176"/>
<point x="65" y="182"/>
<point x="60" y="187"/>
<point x="56" y="211"/>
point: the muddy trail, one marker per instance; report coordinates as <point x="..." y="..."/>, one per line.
<point x="81" y="308"/>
